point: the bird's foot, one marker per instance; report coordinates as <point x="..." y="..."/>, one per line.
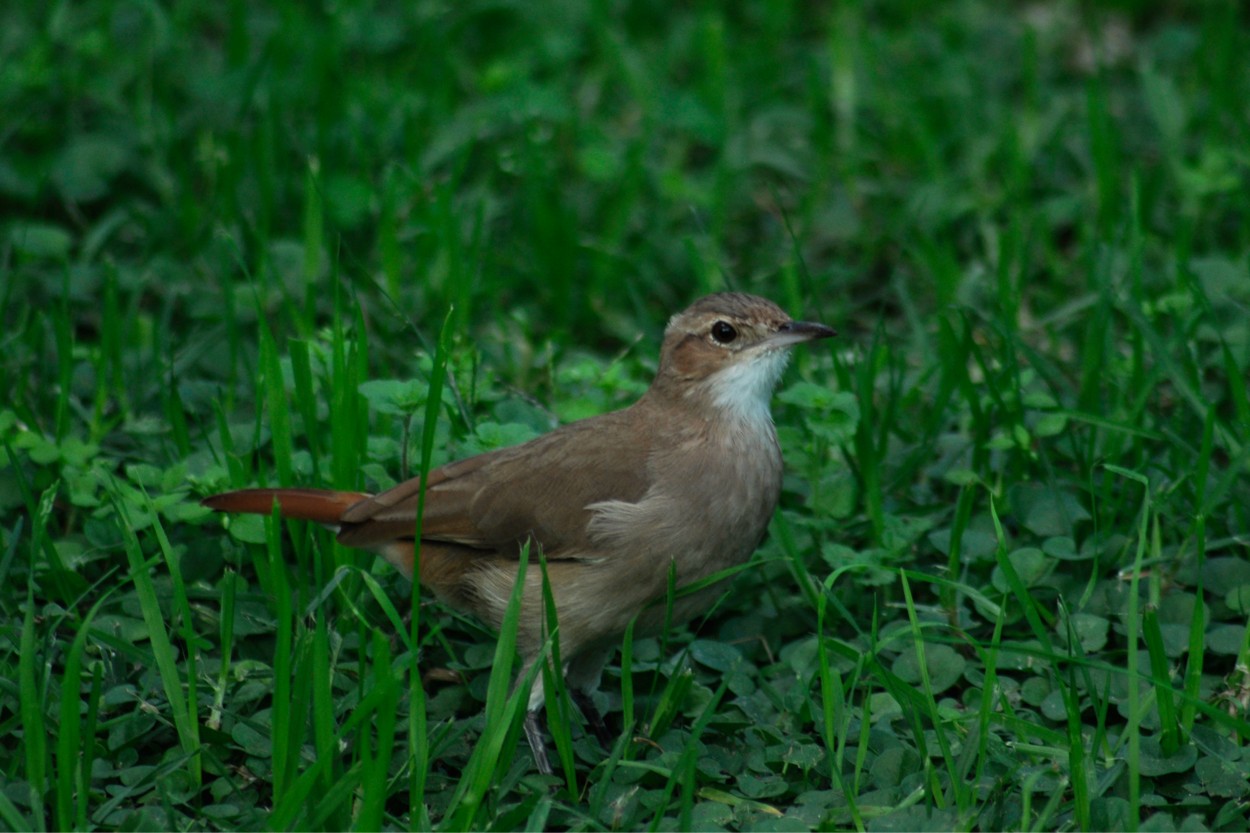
<point x="538" y="741"/>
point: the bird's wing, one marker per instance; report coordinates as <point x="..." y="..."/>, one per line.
<point x="496" y="501"/>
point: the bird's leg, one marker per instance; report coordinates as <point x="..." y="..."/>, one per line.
<point x="582" y="677"/>
<point x="536" y="735"/>
<point x="593" y="719"/>
<point x="537" y="740"/>
<point x="584" y="671"/>
<point x="536" y="719"/>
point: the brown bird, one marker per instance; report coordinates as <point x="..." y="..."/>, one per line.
<point x="685" y="478"/>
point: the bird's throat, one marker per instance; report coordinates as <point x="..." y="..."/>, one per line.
<point x="740" y="393"/>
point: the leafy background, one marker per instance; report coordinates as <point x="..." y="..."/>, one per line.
<point x="1008" y="584"/>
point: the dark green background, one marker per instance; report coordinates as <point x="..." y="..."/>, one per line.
<point x="1029" y="222"/>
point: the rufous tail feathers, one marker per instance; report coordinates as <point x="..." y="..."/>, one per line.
<point x="319" y="505"/>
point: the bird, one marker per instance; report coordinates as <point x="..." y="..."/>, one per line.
<point x="684" y="481"/>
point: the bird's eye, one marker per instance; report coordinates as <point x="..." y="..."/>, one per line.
<point x="723" y="332"/>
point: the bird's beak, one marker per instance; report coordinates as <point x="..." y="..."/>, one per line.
<point x="796" y="332"/>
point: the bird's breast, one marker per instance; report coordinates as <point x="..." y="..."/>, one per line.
<point x="712" y="494"/>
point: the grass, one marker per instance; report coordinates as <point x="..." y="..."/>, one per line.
<point x="242" y="244"/>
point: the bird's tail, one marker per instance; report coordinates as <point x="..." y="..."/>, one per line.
<point x="319" y="505"/>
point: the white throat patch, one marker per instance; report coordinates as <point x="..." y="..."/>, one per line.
<point x="742" y="391"/>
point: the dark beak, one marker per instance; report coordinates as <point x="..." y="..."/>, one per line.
<point x="793" y="332"/>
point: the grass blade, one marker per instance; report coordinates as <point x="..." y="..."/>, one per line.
<point x="162" y="649"/>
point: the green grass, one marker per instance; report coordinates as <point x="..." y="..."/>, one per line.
<point x="1008" y="584"/>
